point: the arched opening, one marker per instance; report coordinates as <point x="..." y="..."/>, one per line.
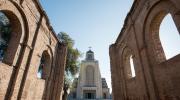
<point x="10" y="35"/>
<point x="169" y="37"/>
<point x="90" y="75"/>
<point x="133" y="74"/>
<point x="129" y="66"/>
<point x="128" y="62"/>
<point x="44" y="66"/>
<point x="5" y="34"/>
<point x="164" y="37"/>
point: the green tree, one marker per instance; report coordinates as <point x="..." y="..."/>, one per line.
<point x="5" y="34"/>
<point x="72" y="63"/>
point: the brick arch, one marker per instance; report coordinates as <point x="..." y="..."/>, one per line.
<point x="46" y="70"/>
<point x="15" y="37"/>
<point x="47" y="58"/>
<point x="151" y="29"/>
<point x="154" y="80"/>
<point x="127" y="52"/>
<point x="19" y="32"/>
<point x="46" y="92"/>
<point x="48" y="51"/>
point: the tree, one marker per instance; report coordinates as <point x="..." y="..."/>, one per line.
<point x="5" y="34"/>
<point x="72" y="63"/>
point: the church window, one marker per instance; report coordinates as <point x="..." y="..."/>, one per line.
<point x="132" y="67"/>
<point x="44" y="66"/>
<point x="129" y="64"/>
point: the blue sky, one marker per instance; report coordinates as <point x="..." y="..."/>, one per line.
<point x="97" y="23"/>
<point x="94" y="23"/>
<point x="169" y="37"/>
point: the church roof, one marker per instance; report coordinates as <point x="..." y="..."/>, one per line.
<point x="90" y="51"/>
<point x="90" y="55"/>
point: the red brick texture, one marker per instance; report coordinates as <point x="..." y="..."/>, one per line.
<point x="156" y="78"/>
<point x="31" y="36"/>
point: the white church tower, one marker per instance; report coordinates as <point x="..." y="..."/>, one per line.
<point x="89" y="85"/>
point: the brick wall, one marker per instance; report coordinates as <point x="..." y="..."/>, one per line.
<point x="18" y="80"/>
<point x="156" y="78"/>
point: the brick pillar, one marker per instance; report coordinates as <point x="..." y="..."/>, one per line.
<point x="58" y="73"/>
<point x="116" y="86"/>
<point x="176" y="18"/>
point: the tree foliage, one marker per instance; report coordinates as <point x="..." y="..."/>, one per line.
<point x="72" y="63"/>
<point x="5" y="34"/>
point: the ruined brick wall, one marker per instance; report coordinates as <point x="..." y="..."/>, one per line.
<point x="156" y="77"/>
<point x="32" y="35"/>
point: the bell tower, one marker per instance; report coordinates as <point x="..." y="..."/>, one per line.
<point x="90" y="84"/>
<point x="90" y="55"/>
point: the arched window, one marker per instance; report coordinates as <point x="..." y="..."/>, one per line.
<point x="133" y="74"/>
<point x="128" y="62"/>
<point x="5" y="34"/>
<point x="129" y="66"/>
<point x="10" y="37"/>
<point x="44" y="66"/>
<point x="169" y="37"/>
<point x="164" y="37"/>
<point x="90" y="75"/>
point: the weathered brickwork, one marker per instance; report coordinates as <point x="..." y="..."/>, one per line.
<point x="31" y="38"/>
<point x="156" y="77"/>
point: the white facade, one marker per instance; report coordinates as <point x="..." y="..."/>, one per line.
<point x="89" y="85"/>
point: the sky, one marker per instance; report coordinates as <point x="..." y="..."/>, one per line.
<point x="169" y="37"/>
<point x="94" y="23"/>
<point x="97" y="24"/>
